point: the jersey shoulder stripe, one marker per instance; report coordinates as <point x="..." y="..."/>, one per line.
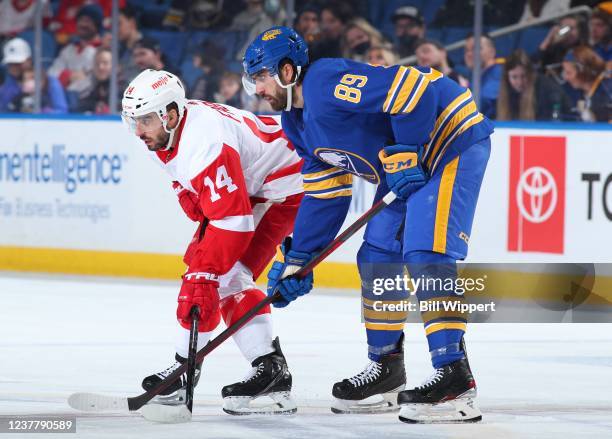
<point x="459" y="115"/>
<point x="395" y="85"/>
<point x="407" y="88"/>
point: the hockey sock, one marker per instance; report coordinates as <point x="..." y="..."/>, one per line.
<point x="382" y="343"/>
<point x="443" y="328"/>
<point x="383" y="328"/>
<point x="254" y="339"/>
<point x="182" y="341"/>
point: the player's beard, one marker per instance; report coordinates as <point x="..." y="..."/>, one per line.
<point x="279" y="100"/>
<point x="158" y="142"/>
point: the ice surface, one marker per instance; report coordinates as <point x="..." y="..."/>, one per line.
<point x="61" y="336"/>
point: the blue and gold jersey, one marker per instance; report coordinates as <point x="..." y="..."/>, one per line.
<point x="351" y="111"/>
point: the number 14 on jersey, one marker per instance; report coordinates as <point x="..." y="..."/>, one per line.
<point x="223" y="180"/>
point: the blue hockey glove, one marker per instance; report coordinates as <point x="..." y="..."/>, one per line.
<point x="403" y="170"/>
<point x="280" y="275"/>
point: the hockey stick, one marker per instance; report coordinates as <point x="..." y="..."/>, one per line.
<point x="94" y="402"/>
<point x="191" y="358"/>
<point x="181" y="412"/>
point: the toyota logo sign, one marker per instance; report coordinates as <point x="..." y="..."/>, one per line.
<point x="532" y="190"/>
<point x="536" y="194"/>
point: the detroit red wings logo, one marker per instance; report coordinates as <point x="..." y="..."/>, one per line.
<point x="130" y="90"/>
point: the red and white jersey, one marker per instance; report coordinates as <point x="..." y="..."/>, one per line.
<point x="231" y="159"/>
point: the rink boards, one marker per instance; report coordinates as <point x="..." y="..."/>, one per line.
<point x="79" y="195"/>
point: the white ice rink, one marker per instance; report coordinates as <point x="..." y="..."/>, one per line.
<point x="62" y="336"/>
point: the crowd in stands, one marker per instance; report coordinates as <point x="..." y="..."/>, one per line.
<point x="560" y="70"/>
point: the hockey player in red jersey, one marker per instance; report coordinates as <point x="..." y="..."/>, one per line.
<point x="239" y="177"/>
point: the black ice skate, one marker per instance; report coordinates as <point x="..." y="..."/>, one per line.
<point x="270" y="378"/>
<point x="375" y="389"/>
<point x="446" y="397"/>
<point x="175" y="393"/>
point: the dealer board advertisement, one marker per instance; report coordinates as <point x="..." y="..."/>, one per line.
<point x="82" y="184"/>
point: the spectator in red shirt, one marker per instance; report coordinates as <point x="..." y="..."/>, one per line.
<point x="64" y="24"/>
<point x="76" y="60"/>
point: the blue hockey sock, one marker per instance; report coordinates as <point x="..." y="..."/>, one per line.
<point x="443" y="329"/>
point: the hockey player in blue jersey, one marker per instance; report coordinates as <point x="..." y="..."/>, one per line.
<point x="408" y="130"/>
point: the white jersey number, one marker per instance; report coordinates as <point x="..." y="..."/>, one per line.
<point x="222" y="180"/>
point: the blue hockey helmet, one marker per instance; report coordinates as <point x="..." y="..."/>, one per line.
<point x="267" y="51"/>
<point x="271" y="47"/>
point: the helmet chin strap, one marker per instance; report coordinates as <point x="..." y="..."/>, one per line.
<point x="170" y="138"/>
<point x="171" y="131"/>
<point x="289" y="87"/>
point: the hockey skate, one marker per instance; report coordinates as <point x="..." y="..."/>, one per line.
<point x="445" y="397"/>
<point x="269" y="379"/>
<point x="175" y="394"/>
<point x="374" y="390"/>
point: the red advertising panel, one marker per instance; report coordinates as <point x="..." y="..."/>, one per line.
<point x="537" y="194"/>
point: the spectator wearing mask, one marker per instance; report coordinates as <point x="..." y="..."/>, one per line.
<point x="525" y="94"/>
<point x="491" y="73"/>
<point x="382" y="56"/>
<point x="431" y="53"/>
<point x="335" y="15"/>
<point x="585" y="71"/>
<point x="570" y="32"/>
<point x="409" y="27"/>
<point x="358" y="37"/>
<point x="75" y="61"/>
<point x="600" y="29"/>
<point x="17" y="91"/>
<point x="307" y="23"/>
<point x="96" y="98"/>
<point x="535" y="9"/>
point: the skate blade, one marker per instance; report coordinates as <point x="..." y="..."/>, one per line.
<point x="282" y="404"/>
<point x="381" y="403"/>
<point x="167" y="414"/>
<point x="176" y="398"/>
<point x="459" y="410"/>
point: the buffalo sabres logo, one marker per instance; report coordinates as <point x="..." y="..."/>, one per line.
<point x="271" y="34"/>
<point x="349" y="161"/>
<point x="334" y="158"/>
